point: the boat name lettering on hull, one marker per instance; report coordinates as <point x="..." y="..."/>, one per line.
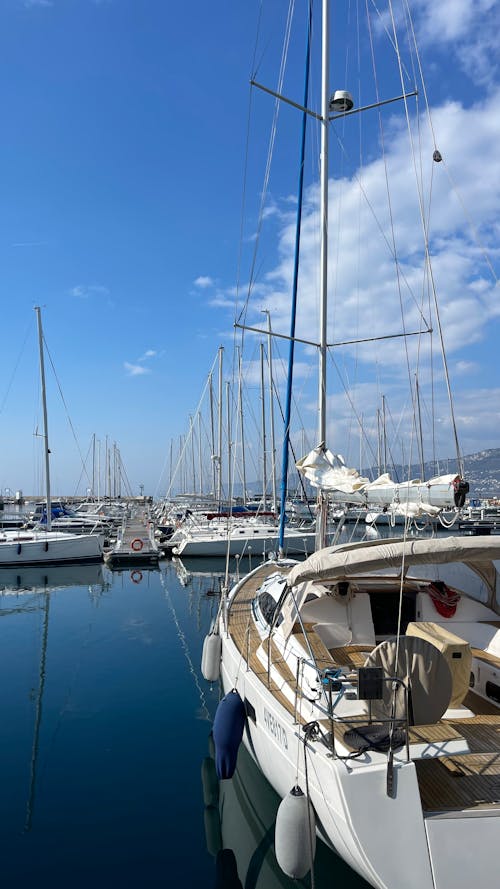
<point x="274" y="727"/>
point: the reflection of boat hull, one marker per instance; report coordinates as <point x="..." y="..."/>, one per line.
<point x="247" y="807"/>
<point x="132" y="560"/>
<point x="20" y="579"/>
<point x="48" y="547"/>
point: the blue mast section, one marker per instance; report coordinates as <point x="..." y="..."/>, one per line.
<point x="288" y="404"/>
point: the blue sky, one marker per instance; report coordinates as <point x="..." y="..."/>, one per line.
<point x="122" y="158"/>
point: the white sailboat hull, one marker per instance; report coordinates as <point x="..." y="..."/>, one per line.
<point x="415" y="833"/>
<point x="354" y="815"/>
<point x="49" y="547"/>
<point x="242" y="542"/>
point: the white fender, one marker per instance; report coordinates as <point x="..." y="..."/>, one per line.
<point x="295" y="835"/>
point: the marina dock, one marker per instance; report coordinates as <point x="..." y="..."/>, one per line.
<point x="135" y="544"/>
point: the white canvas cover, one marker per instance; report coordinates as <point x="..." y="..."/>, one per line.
<point x="425" y="673"/>
<point x="328" y="471"/>
<point x="332" y="563"/>
<point x="456" y="652"/>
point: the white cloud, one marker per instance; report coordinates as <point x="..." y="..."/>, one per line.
<point x="364" y="300"/>
<point x="31" y="3"/>
<point x="204" y="281"/>
<point x="149" y="353"/>
<point x="85" y="291"/>
<point x="136" y="370"/>
<point x="466" y="29"/>
<point x="465" y="367"/>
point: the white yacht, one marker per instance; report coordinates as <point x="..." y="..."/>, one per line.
<point x="369" y="677"/>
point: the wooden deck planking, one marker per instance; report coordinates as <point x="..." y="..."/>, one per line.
<point x="247" y="640"/>
<point x="457" y="783"/>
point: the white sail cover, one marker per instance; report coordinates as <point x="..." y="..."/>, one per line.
<point x="413" y="498"/>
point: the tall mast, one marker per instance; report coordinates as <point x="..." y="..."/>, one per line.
<point x="291" y="349"/>
<point x="212" y="435"/>
<point x="93" y="466"/>
<point x="325" y="109"/>
<point x="384" y="432"/>
<point x="219" y="443"/>
<point x="322" y="504"/>
<point x="45" y="423"/>
<point x="263" y="422"/>
<point x="271" y="409"/>
<point x="242" y="427"/>
<point x="99" y="471"/>
<point x="200" y="462"/>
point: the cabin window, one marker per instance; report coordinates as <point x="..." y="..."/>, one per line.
<point x="265" y="608"/>
<point x="493" y="691"/>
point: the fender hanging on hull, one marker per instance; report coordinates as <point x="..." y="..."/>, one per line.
<point x="229" y="723"/>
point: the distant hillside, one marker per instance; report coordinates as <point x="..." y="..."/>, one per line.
<point x="483" y="473"/>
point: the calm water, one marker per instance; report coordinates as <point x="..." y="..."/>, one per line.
<point x="105" y="726"/>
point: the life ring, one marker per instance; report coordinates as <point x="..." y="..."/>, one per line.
<point x="136" y="576"/>
<point x="137" y="545"/>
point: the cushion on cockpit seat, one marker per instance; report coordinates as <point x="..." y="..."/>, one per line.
<point x="362" y="628"/>
<point x="456" y="651"/>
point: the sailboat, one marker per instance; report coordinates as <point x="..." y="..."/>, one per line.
<point x="42" y="547"/>
<point x="364" y="683"/>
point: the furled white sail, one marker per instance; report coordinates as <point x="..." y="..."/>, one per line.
<point x="328" y="471"/>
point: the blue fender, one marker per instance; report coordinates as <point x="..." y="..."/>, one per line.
<point x="228" y="728"/>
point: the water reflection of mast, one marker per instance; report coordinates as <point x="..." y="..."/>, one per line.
<point x="38" y="717"/>
<point x="205" y="713"/>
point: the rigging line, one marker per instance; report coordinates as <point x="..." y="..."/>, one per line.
<point x="123" y="473"/>
<point x="431" y="357"/>
<point x="419" y="174"/>
<point x="389" y="201"/>
<point x="469" y="221"/>
<point x="270" y="153"/>
<point x="459" y="457"/>
<point x="396" y="432"/>
<point x="351" y="402"/>
<point x="13" y="374"/>
<point x="383" y="234"/>
<point x="257" y="33"/>
<point x="291" y="352"/>
<point x="75" y="490"/>
<point x="67" y="411"/>
<point x="290" y="444"/>
<point x="243" y="196"/>
<point x="181" y="455"/>
<point x="388" y="35"/>
<point x="359" y="195"/>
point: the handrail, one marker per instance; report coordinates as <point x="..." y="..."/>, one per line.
<point x="333" y="675"/>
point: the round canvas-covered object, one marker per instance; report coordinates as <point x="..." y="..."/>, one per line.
<point x="425" y="672"/>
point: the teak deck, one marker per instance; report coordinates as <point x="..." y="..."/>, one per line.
<point x="449" y="783"/>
